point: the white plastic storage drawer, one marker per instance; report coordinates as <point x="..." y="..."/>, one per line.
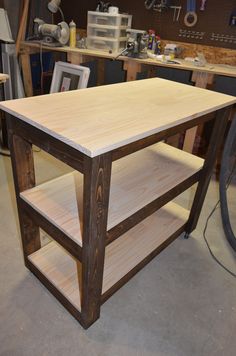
<point x="105" y="44"/>
<point x="106" y="31"/>
<point x="103" y="18"/>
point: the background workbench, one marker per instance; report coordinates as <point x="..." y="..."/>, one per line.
<point x="3" y="78"/>
<point x="201" y="76"/>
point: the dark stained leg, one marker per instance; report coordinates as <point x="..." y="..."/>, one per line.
<point x="24" y="178"/>
<point x="215" y="143"/>
<point x="97" y="175"/>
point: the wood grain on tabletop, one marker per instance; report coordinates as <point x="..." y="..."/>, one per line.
<point x="121" y="256"/>
<point x="100" y="119"/>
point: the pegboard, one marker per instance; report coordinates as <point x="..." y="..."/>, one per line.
<point x="214" y="20"/>
<point x="212" y="28"/>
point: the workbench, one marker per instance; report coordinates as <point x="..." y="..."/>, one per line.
<point x="201" y="76"/>
<point x="115" y="212"/>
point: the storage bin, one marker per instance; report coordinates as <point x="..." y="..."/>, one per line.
<point x="106" y="44"/>
<point x="106" y="31"/>
<point x="101" y="18"/>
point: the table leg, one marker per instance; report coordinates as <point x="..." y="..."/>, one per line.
<point x="214" y="146"/>
<point x="75" y="58"/>
<point x="201" y="80"/>
<point x="96" y="199"/>
<point x="24" y="178"/>
<point x="101" y="71"/>
<point x="132" y="68"/>
<point x="27" y="76"/>
<point x="79" y="59"/>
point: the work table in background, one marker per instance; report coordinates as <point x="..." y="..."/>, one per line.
<point x="201" y="76"/>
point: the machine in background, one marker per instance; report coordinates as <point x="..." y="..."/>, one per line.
<point x="137" y="44"/>
<point x="51" y="35"/>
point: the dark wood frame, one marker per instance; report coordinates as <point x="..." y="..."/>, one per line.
<point x="97" y="175"/>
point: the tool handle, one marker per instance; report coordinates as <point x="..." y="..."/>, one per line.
<point x="203" y="5"/>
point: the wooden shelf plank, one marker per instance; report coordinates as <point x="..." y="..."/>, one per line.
<point x="133" y="185"/>
<point x="121" y="256"/>
<point x="60" y="268"/>
<point x="98" y="120"/>
<point x="130" y="249"/>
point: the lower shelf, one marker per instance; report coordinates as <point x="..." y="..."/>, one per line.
<point x="122" y="255"/>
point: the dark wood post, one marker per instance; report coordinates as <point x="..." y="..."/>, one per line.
<point x="217" y="136"/>
<point x="97" y="175"/>
<point x="24" y="178"/>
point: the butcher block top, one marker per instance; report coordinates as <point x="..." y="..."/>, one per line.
<point x="100" y="119"/>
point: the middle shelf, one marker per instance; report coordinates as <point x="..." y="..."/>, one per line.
<point x="136" y="181"/>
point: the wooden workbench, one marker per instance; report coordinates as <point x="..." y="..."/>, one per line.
<point x="115" y="212"/>
<point x="200" y="75"/>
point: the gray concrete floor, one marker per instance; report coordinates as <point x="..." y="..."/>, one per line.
<point x="181" y="304"/>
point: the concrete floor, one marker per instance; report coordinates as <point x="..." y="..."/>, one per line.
<point x="181" y="304"/>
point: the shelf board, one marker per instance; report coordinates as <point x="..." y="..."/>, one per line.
<point x="121" y="255"/>
<point x="137" y="180"/>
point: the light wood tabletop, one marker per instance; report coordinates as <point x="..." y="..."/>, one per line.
<point x="100" y="119"/>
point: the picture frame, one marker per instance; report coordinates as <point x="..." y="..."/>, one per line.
<point x="68" y="76"/>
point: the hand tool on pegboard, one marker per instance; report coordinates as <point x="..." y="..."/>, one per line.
<point x="203" y="5"/>
<point x="190" y="18"/>
<point x="233" y="19"/>
<point x="177" y="10"/>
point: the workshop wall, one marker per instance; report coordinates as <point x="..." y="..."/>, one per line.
<point x="38" y="8"/>
<point x="213" y="23"/>
<point x="77" y="10"/>
<point x="12" y="7"/>
<point x="212" y="28"/>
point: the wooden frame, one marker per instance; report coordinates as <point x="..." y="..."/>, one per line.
<point x="97" y="183"/>
<point x="72" y="70"/>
